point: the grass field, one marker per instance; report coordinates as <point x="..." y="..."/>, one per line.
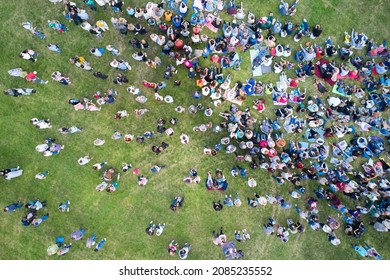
<point x="122" y="216"/>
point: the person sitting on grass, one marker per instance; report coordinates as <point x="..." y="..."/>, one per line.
<point x="177" y="203"/>
<point x="217" y="205"/>
<point x="64" y="207"/>
<point x="172" y="248"/>
<point x="269" y="227"/>
<point x="99" y="246"/>
<point x="150" y="229"/>
<point x="283" y="234"/>
<point x="286" y="10"/>
<point x="159" y="229"/>
<point x="258" y="200"/>
<point x="78" y="234"/>
<point x="64" y="250"/>
<point x="219" y="238"/>
<point x="91" y="241"/>
<point x="228" y="201"/>
<point x="142" y="180"/>
<point x="183" y="252"/>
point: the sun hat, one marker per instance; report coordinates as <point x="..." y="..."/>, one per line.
<point x="168" y="99"/>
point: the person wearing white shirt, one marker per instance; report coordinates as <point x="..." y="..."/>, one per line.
<point x="252" y="182"/>
<point x="28" y="55"/>
<point x="84" y="160"/>
<point x="183" y="8"/>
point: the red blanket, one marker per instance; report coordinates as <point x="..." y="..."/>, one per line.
<point x="317" y="71"/>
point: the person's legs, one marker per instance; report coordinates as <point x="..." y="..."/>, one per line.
<point x="295" y="3"/>
<point x="39" y="81"/>
<point x="297" y="209"/>
<point x="283" y="7"/>
<point x="45" y="217"/>
<point x="329" y="42"/>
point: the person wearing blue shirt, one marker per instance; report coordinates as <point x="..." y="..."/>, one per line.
<point x="99" y="246"/>
<point x="38" y="221"/>
<point x="130" y="11"/>
<point x="91" y="4"/>
<point x="12" y="207"/>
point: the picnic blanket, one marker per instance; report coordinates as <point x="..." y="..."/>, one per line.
<point x="263" y="69"/>
<point x="228" y="95"/>
<point x="253" y="54"/>
<point x="334" y="90"/>
<point x="209" y="23"/>
<point x="317" y="71"/>
<point x="319" y="130"/>
<point x="266" y="69"/>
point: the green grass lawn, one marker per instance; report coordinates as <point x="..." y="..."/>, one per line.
<point x="122" y="216"/>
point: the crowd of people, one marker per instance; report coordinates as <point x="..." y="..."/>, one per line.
<point x="331" y="122"/>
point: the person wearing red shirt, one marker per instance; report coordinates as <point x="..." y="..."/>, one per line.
<point x="32" y="77"/>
